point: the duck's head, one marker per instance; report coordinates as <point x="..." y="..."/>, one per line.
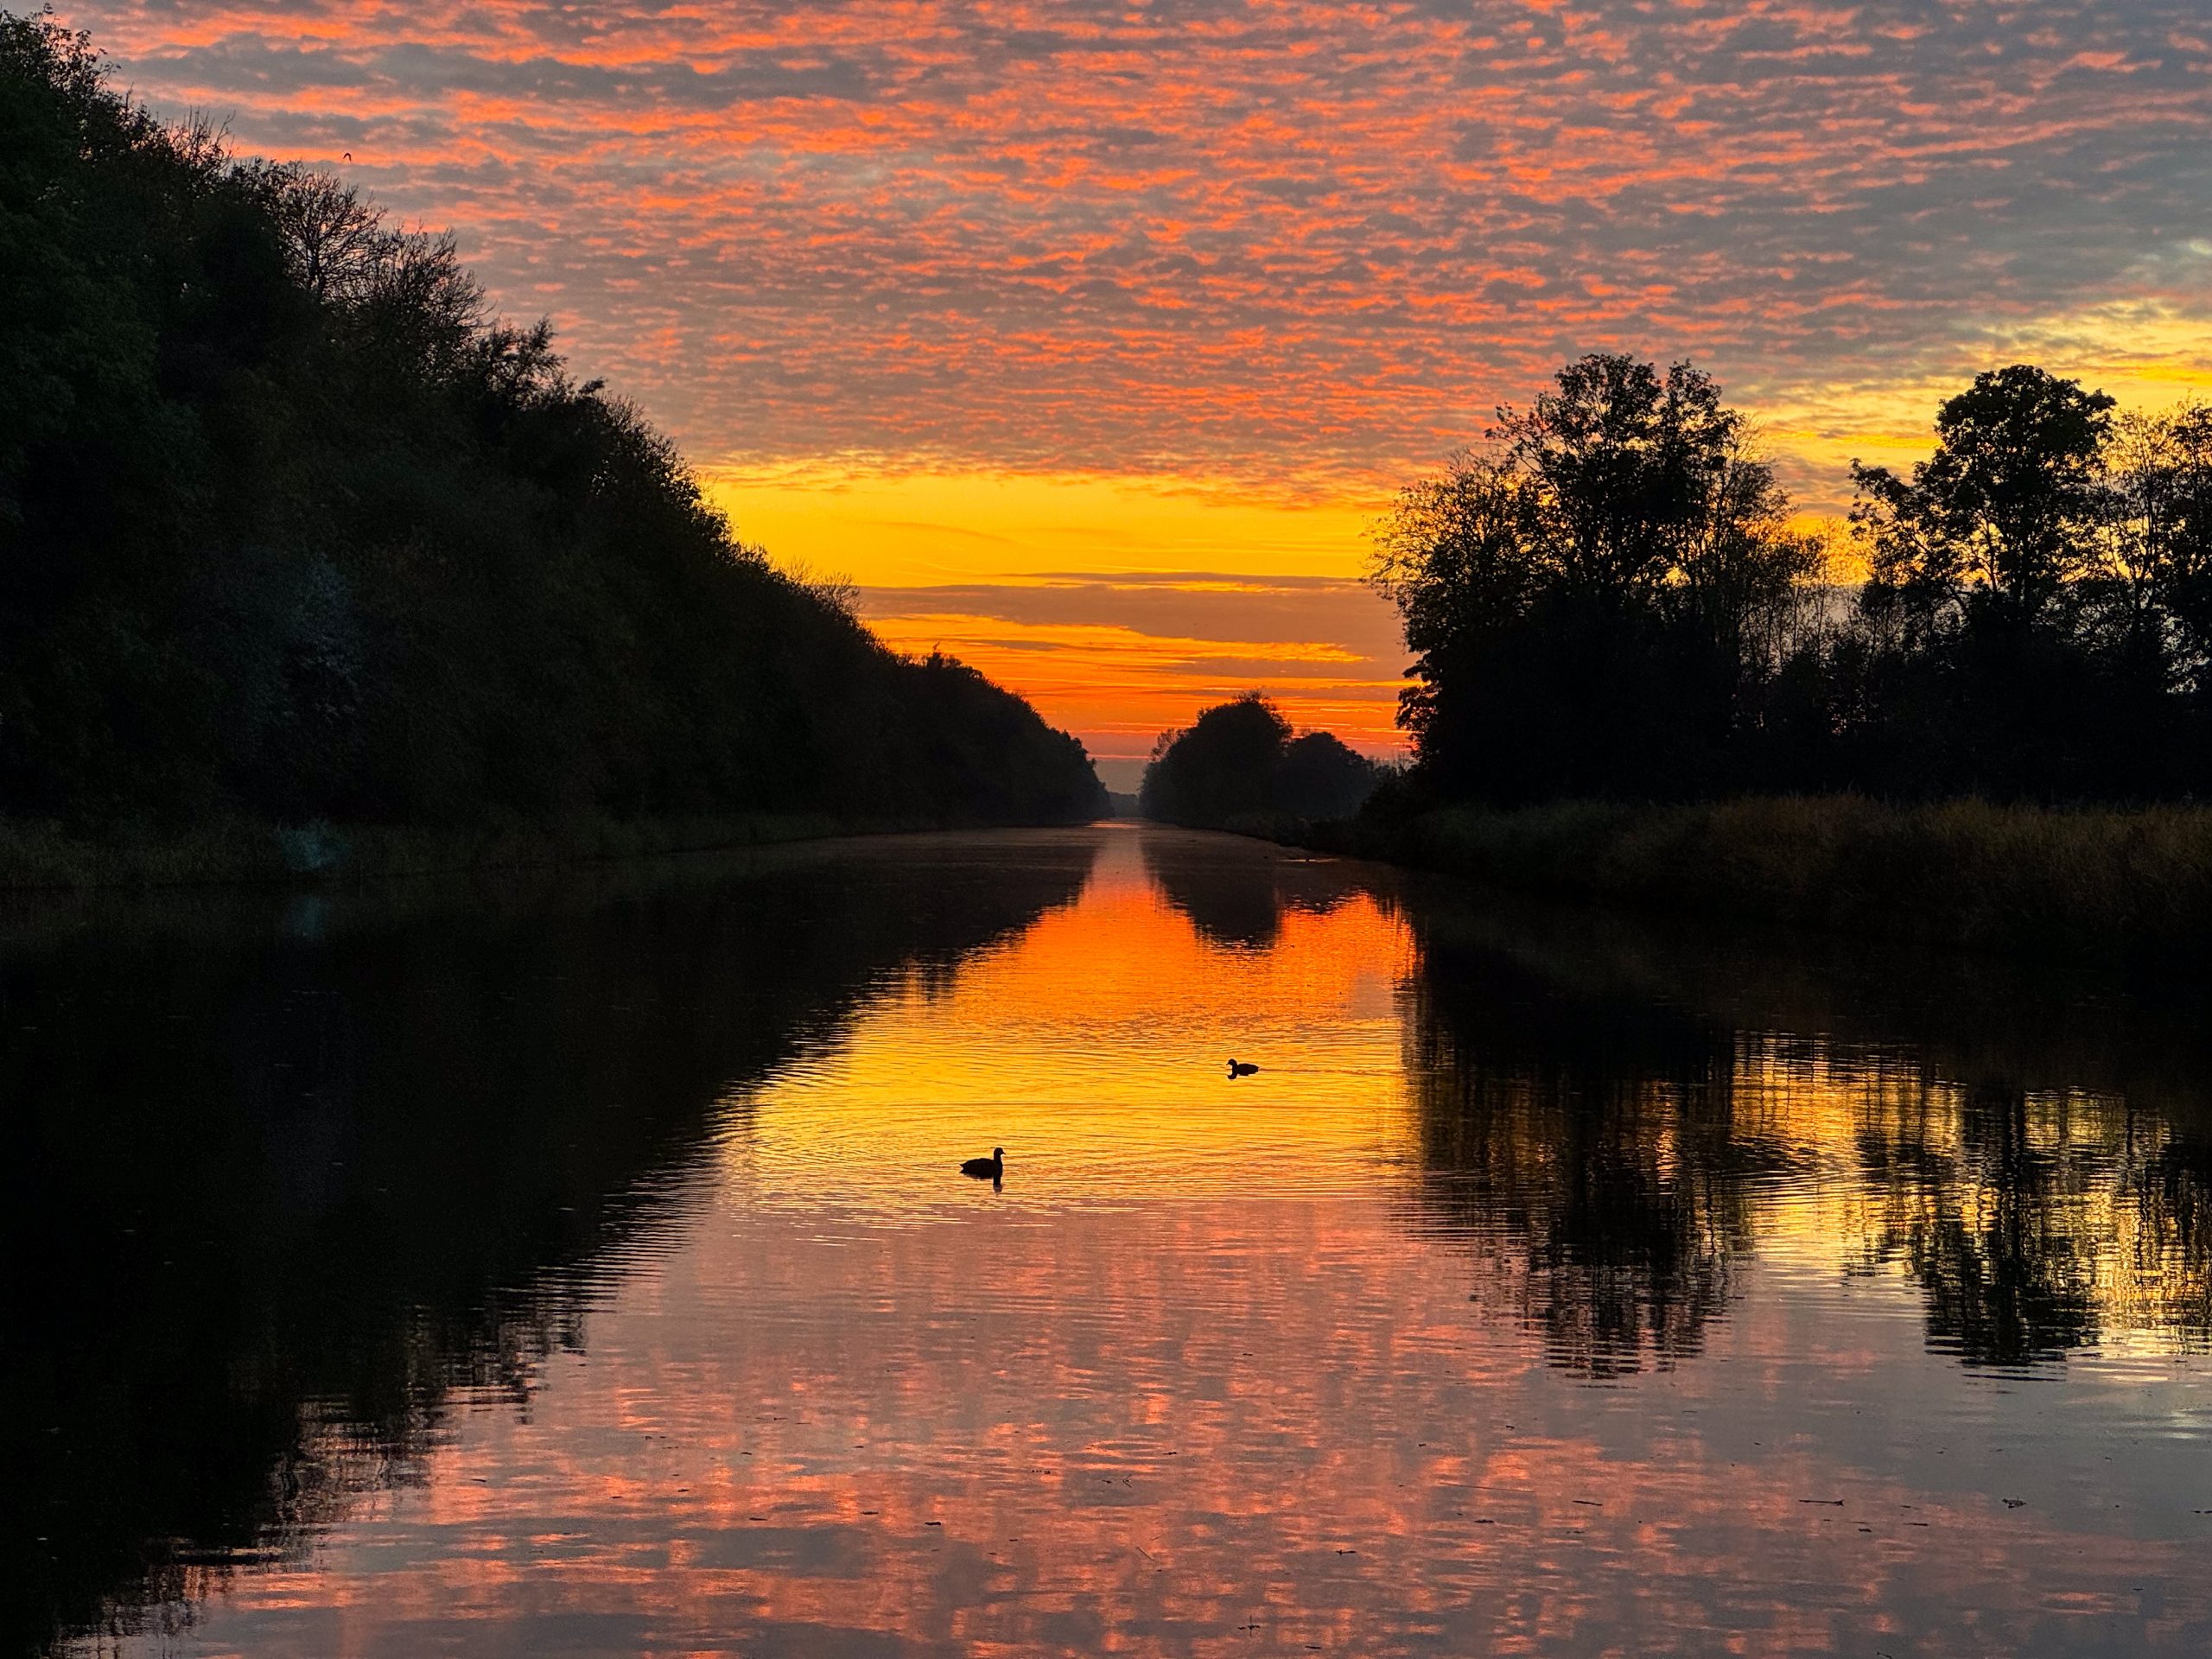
<point x="998" y="1151"/>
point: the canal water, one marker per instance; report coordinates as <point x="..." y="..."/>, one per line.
<point x="580" y="1265"/>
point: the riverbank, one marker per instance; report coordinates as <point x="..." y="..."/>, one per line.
<point x="40" y="855"/>
<point x="2098" y="881"/>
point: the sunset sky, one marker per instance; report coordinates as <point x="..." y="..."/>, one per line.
<point x="1087" y="338"/>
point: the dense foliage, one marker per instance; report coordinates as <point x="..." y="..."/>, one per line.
<point x="1609" y="600"/>
<point x="1239" y="760"/>
<point x="2039" y="619"/>
<point x="291" y="525"/>
<point x="1598" y="601"/>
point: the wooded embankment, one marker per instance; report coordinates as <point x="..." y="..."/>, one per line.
<point x="296" y="532"/>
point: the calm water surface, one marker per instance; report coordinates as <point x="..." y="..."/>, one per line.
<point x="580" y="1269"/>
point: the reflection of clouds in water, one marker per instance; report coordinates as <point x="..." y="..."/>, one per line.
<point x="1212" y="1361"/>
<point x="1174" y="1422"/>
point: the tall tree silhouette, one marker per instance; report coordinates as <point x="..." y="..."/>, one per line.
<point x="293" y="524"/>
<point x="1592" y="595"/>
<point x="2000" y="519"/>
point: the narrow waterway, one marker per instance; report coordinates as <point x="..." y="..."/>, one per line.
<point x="582" y="1268"/>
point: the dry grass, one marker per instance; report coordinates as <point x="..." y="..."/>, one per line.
<point x="44" y="855"/>
<point x="1963" y="871"/>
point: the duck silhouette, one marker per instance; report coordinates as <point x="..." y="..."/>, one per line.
<point x="986" y="1169"/>
<point x="1241" y="1068"/>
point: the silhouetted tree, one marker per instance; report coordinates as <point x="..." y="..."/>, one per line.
<point x="1608" y="599"/>
<point x="1238" y="760"/>
<point x="1321" y="777"/>
<point x="291" y="525"/>
<point x="1594" y="597"/>
<point x="2000" y="519"/>
<point x="1222" y="766"/>
<point x="2153" y="574"/>
<point x="2019" y="634"/>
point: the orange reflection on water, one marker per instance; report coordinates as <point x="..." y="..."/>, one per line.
<point x="1400" y="1346"/>
<point x="1095" y="1048"/>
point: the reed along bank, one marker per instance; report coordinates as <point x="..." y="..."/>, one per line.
<point x="2102" y="880"/>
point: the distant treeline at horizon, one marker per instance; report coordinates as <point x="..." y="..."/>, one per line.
<point x="1239" y="761"/>
<point x="1608" y="599"/>
<point x="292" y="526"/>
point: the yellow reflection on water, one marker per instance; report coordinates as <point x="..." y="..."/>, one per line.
<point x="1095" y="1047"/>
<point x="1307" y="1361"/>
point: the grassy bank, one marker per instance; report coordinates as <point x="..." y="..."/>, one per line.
<point x="44" y="856"/>
<point x="1961" y="871"/>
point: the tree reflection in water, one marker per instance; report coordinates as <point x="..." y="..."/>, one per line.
<point x="1235" y="898"/>
<point x="289" y="1175"/>
<point x="2036" y="1223"/>
<point x="1588" y="1149"/>
<point x="1616" y="1115"/>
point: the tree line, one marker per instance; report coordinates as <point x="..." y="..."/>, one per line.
<point x="1610" y="598"/>
<point x="1240" y="759"/>
<point x="293" y="525"/>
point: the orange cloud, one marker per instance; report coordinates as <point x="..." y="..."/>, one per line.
<point x="1297" y="250"/>
<point x="1290" y="242"/>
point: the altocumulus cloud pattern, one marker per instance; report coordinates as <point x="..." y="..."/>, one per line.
<point x="1298" y="244"/>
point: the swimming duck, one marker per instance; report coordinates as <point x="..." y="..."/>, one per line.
<point x="986" y="1169"/>
<point x="1241" y="1068"/>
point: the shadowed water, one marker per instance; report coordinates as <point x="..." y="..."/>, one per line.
<point x="581" y="1267"/>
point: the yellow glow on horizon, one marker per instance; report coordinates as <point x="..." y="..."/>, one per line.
<point x="902" y="527"/>
<point x="886" y="524"/>
<point x="1119" y="688"/>
<point x="1114" y="685"/>
<point x="2148" y="355"/>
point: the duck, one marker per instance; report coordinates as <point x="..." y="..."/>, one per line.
<point x="1241" y="1068"/>
<point x="986" y="1169"/>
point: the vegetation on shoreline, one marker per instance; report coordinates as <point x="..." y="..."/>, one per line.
<point x="1610" y="600"/>
<point x="294" y="529"/>
<point x="1239" y="762"/>
<point x="2131" y="880"/>
<point x="35" y="855"/>
<point x="1635" y="683"/>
